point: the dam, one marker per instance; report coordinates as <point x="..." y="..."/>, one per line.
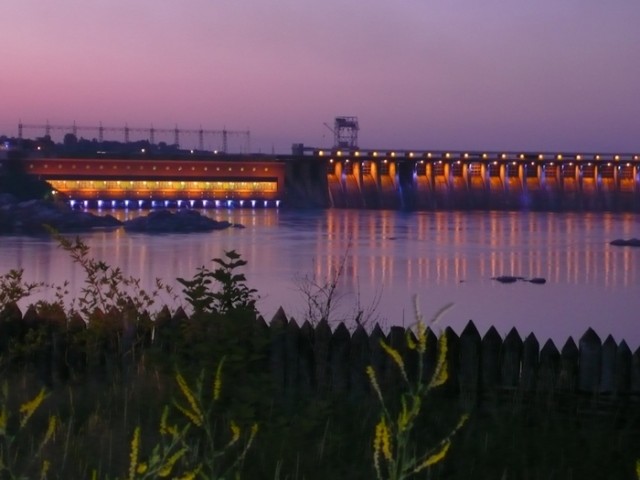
<point x="352" y="178"/>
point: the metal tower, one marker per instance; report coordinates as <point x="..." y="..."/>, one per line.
<point x="345" y="131"/>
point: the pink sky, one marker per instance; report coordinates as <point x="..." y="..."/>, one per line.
<point x="546" y="75"/>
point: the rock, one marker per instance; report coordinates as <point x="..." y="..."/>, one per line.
<point x="619" y="242"/>
<point x="182" y="221"/>
<point x="512" y="279"/>
<point x="31" y="217"/>
<point x="506" y="279"/>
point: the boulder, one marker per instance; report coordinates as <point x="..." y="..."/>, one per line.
<point x="181" y="221"/>
<point x="31" y="217"/>
<point x="619" y="242"/>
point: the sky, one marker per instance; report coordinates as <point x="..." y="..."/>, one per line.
<point x="500" y="75"/>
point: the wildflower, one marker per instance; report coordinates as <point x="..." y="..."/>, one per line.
<point x="27" y="409"/>
<point x="395" y="356"/>
<point x="142" y="467"/>
<point x="165" y="471"/>
<point x="186" y="391"/>
<point x="217" y="383"/>
<point x="235" y="433"/>
<point x="163" y="421"/>
<point x="3" y="420"/>
<point x="191" y="475"/>
<point x="45" y="469"/>
<point x="194" y="418"/>
<point x="441" y="374"/>
<point x="135" y="447"/>
<point x="435" y="457"/>
<point x="371" y="373"/>
<point x="51" y="429"/>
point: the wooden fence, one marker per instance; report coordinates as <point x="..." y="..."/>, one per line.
<point x="318" y="360"/>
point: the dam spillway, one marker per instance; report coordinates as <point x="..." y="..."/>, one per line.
<point x="374" y="179"/>
<point x="481" y="180"/>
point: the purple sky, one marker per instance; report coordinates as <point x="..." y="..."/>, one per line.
<point x="547" y="75"/>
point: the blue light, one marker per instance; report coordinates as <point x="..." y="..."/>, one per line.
<point x="166" y="203"/>
<point x="253" y="203"/>
<point x="217" y="203"/>
<point x="100" y="202"/>
<point x="86" y="204"/>
<point x="113" y="204"/>
<point x="72" y="203"/>
<point x="229" y="203"/>
<point x="140" y="203"/>
<point x="153" y="204"/>
<point x="126" y="204"/>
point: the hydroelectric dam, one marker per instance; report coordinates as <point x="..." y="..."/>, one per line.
<point x="349" y="178"/>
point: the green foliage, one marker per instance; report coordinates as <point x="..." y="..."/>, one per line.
<point x="233" y="294"/>
<point x="13" y="288"/>
<point x="106" y="288"/>
<point x="395" y="450"/>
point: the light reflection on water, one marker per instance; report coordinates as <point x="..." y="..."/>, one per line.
<point x="441" y="256"/>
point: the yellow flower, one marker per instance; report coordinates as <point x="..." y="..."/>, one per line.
<point x="217" y="383"/>
<point x="395" y="356"/>
<point x="371" y="373"/>
<point x="133" y="456"/>
<point x="142" y="468"/>
<point x="435" y="457"/>
<point x="638" y="468"/>
<point x="186" y="391"/>
<point x="422" y="337"/>
<point x="382" y="440"/>
<point x="28" y="408"/>
<point x="3" y="420"/>
<point x="441" y="374"/>
<point x="190" y="475"/>
<point x="165" y="471"/>
<point x="235" y="433"/>
<point x="45" y="469"/>
<point x="193" y="417"/>
<point x="51" y="429"/>
<point x="163" y="421"/>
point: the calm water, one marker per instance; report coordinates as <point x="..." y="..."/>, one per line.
<point x="442" y="257"/>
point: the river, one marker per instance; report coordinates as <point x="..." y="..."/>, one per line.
<point x="390" y="256"/>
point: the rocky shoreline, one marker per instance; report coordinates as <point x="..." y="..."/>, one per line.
<point x="32" y="217"/>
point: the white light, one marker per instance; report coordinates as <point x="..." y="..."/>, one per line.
<point x="72" y="203"/>
<point x="253" y="203"/>
<point x="179" y="203"/>
<point x="100" y="203"/>
<point x="191" y="202"/>
<point x="166" y="203"/>
<point x="241" y="203"/>
<point x="277" y="203"/>
<point x="113" y="203"/>
<point x="86" y="203"/>
<point x="217" y="203"/>
<point x="229" y="203"/>
<point x="126" y="203"/>
<point x="140" y="203"/>
<point x="265" y="203"/>
<point x="204" y="203"/>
